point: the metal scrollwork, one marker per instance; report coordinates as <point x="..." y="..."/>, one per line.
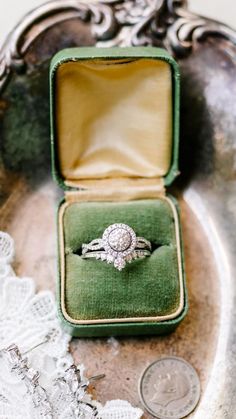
<point x="114" y="22"/>
<point x="189" y="28"/>
<point x="165" y="22"/>
<point x="100" y="16"/>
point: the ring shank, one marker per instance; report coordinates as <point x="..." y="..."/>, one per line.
<point x="139" y="253"/>
<point x="119" y="245"/>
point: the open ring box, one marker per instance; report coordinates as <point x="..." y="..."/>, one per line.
<point x="115" y="133"/>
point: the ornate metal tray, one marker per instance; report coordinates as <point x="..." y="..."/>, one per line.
<point x="207" y="188"/>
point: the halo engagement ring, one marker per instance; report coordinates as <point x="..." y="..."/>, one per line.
<point x="118" y="245"/>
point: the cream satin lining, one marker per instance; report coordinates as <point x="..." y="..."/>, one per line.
<point x="114" y="119"/>
<point x="117" y="190"/>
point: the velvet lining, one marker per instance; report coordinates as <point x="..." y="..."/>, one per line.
<point x="146" y="288"/>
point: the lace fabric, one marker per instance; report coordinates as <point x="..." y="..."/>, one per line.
<point x="28" y="318"/>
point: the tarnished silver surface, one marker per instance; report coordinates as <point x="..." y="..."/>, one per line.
<point x="206" y="189"/>
<point x="170" y="388"/>
<point x="113" y="22"/>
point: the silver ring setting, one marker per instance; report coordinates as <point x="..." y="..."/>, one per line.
<point x="118" y="245"/>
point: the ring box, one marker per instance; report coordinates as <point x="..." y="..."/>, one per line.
<point x="114" y="136"/>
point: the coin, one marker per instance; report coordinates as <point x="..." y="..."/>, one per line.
<point x="169" y="388"/>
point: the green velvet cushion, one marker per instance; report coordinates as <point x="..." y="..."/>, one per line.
<point x="146" y="287"/>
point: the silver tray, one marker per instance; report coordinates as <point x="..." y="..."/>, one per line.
<point x="206" y="189"/>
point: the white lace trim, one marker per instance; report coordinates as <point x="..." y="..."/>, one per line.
<point x="26" y="318"/>
<point x="119" y="409"/>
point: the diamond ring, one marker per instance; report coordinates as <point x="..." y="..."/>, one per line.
<point x="118" y="245"/>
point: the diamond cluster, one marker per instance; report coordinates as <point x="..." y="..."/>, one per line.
<point x="119" y="241"/>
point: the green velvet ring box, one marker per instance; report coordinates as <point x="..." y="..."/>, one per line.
<point x="114" y="132"/>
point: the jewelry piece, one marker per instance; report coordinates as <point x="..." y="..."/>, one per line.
<point x="118" y="245"/>
<point x="71" y="389"/>
<point x="37" y="394"/>
<point x="18" y="364"/>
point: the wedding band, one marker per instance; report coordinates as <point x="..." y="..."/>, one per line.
<point x="118" y="245"/>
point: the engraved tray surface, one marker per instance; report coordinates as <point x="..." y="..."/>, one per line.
<point x="205" y="190"/>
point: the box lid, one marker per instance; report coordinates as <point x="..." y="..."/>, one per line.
<point x="114" y="114"/>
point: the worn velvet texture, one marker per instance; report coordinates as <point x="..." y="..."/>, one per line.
<point x="146" y="287"/>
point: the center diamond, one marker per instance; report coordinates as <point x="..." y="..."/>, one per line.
<point x="119" y="239"/>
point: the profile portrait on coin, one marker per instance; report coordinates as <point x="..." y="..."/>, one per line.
<point x="170" y="387"/>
